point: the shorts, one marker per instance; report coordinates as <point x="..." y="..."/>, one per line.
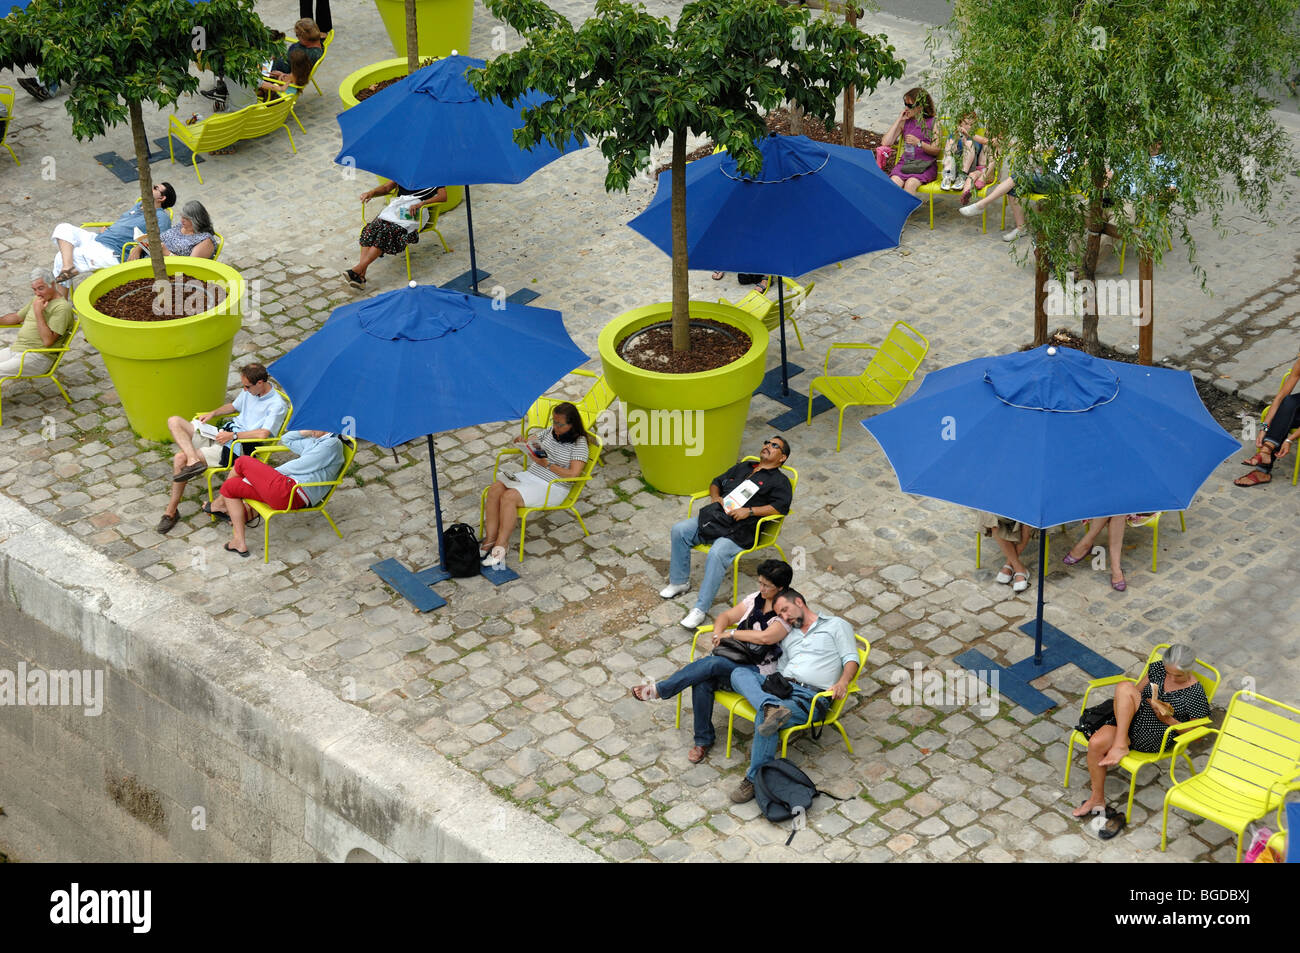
<point x="535" y="490"/>
<point x="215" y="454"/>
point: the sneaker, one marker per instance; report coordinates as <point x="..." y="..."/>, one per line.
<point x="34" y="88"/>
<point x="217" y="91"/>
<point x="959" y="183"/>
<point x="694" y="619"/>
<point x="970" y="211"/>
<point x="744" y="792"/>
<point x="1010" y="236"/>
<point x="774" y="716"/>
<point x="671" y="590"/>
<point x="946" y="184"/>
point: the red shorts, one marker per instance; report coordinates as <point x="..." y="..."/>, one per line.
<point x="255" y="480"/>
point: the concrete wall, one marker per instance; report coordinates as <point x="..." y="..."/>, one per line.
<point x="207" y="748"/>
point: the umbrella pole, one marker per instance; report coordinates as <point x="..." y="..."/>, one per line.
<point x="1038" y="627"/>
<point x="473" y="260"/>
<point x="437" y="502"/>
<point x="780" y="303"/>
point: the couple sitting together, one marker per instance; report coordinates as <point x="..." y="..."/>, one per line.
<point x="779" y="656"/>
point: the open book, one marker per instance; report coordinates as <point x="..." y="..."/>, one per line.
<point x="206" y="430"/>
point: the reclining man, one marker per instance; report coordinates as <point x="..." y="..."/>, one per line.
<point x="740" y="498"/>
<point x="818" y="655"/>
<point x="259" y="413"/>
<point x="80" y="249"/>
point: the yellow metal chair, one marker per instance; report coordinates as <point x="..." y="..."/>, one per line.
<point x="266" y="512"/>
<point x="1286" y="847"/>
<point x="1255" y="762"/>
<point x="58" y="353"/>
<point x="738" y="706"/>
<point x="261" y="443"/>
<point x="893" y="364"/>
<point x="1295" y="473"/>
<point x="765" y="533"/>
<point x="599" y="398"/>
<point x="768" y="310"/>
<point x="1135" y="761"/>
<point x="325" y="42"/>
<point x="429" y="216"/>
<point x="7" y="100"/>
<point x="225" y="129"/>
<point x="568" y="503"/>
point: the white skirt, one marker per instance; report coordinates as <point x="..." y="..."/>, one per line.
<point x="535" y="490"/>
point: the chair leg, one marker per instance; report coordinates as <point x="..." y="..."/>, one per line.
<point x="799" y="338"/>
<point x="1155" y="544"/>
<point x="843" y="734"/>
<point x="574" y="511"/>
<point x="523" y="527"/>
<point x="1164" y="829"/>
<point x="1182" y="522"/>
<point x="66" y="398"/>
<point x="331" y="522"/>
<point x="408" y="262"/>
<point x="978" y="536"/>
<point x="785" y="738"/>
<point x="266" y="539"/>
<point x="839" y="434"/>
<point x="482" y="510"/>
<point x="931" y="212"/>
<point x="731" y="720"/>
<point x="194" y="161"/>
<point x="1132" y="789"/>
<point x="12" y="155"/>
<point x="1069" y="760"/>
<point x="679" y="711"/>
<point x="298" y="121"/>
<point x="289" y="133"/>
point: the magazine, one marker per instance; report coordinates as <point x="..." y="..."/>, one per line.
<point x="739" y="496"/>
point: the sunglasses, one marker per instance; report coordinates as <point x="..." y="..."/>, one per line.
<point x="908" y="105"/>
<point x="775" y="443"/>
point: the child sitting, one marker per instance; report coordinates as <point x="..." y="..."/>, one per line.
<point x="969" y="148"/>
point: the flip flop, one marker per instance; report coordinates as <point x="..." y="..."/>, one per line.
<point x="718" y="275"/>
<point x="207" y="508"/>
<point x="238" y="552"/>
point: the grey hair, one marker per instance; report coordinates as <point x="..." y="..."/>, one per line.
<point x="1180" y="656"/>
<point x="196" y="213"/>
<point x="42" y="274"/>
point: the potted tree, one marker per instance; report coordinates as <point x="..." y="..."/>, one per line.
<point x="427" y="27"/>
<point x="179" y="362"/>
<point x="633" y="82"/>
<point x="1082" y="81"/>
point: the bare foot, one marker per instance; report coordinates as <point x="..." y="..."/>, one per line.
<point x="1114" y="756"/>
<point x="1088" y="807"/>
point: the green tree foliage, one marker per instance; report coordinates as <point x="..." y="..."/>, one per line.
<point x="114" y="56"/>
<point x="632" y="82"/>
<point x="1106" y="81"/>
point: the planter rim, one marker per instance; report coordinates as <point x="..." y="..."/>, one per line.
<point x="350" y="83"/>
<point x="106" y="279"/>
<point x="618" y="328"/>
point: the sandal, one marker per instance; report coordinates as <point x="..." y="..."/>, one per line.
<point x="1115" y="822"/>
<point x="762" y="287"/>
<point x="238" y="552"/>
<point x="718" y="275"/>
<point x="355" y="280"/>
<point x="1254" y="461"/>
<point x="1253" y="478"/>
<point x="1004" y="576"/>
<point x="217" y="514"/>
<point x="66" y="274"/>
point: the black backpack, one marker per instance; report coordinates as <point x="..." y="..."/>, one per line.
<point x="460" y="546"/>
<point x="780" y="788"/>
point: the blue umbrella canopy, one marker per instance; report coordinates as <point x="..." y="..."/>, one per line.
<point x="422" y="360"/>
<point x="813" y="204"/>
<point x="1053" y="435"/>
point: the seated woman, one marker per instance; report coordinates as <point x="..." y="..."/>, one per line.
<point x="560" y="452"/>
<point x="397" y="226"/>
<point x="1274" y="441"/>
<point x="1115" y="540"/>
<point x="194" y="236"/>
<point x="1167" y="695"/>
<point x="756" y="623"/>
<point x="918" y="164"/>
<point x="1012" y="538"/>
<point x="277" y="83"/>
<point x="319" y="460"/>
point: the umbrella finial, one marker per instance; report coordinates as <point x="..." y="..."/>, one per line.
<point x="455" y="53"/>
<point x="411" y="283"/>
<point x="1051" y="350"/>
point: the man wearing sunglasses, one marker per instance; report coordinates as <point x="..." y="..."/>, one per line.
<point x="739" y="499"/>
<point x="259" y="411"/>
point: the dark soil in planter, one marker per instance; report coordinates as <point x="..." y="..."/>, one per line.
<point x="713" y="345"/>
<point x="364" y="94"/>
<point x="1225" y="408"/>
<point x="139" y="301"/>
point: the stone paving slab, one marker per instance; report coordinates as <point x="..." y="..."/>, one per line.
<point x="527" y="684"/>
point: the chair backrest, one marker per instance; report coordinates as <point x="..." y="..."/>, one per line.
<point x="217" y="128"/>
<point x="349" y="452"/>
<point x="325" y="49"/>
<point x="594" y="446"/>
<point x="796" y="294"/>
<point x="7" y="99"/>
<point x="262" y="118"/>
<point x="596" y="401"/>
<point x="288" y="414"/>
<point x="897" y="358"/>
<point x="1258" y="744"/>
<point x="770" y="530"/>
<point x="1205" y="673"/>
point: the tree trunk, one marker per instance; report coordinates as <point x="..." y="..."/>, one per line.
<point x="1146" y="295"/>
<point x="413" y="39"/>
<point x="1096" y="222"/>
<point x="796" y="118"/>
<point x="851" y="18"/>
<point x="1041" y="267"/>
<point x="141" y="144"/>
<point x="681" y="286"/>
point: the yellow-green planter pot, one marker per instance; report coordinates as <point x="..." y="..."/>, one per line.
<point x="441" y="25"/>
<point x="685" y="428"/>
<point x="161" y="368"/>
<point x="377" y="73"/>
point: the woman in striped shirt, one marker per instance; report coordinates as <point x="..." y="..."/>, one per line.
<point x="559" y="453"/>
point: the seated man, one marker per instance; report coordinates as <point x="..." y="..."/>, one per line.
<point x="44" y="321"/>
<point x="756" y="624"/>
<point x="319" y="460"/>
<point x="751" y="491"/>
<point x="80" y="249"/>
<point x="819" y="654"/>
<point x="259" y="412"/>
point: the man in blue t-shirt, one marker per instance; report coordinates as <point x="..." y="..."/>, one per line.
<point x="80" y="249"/>
<point x="259" y="411"/>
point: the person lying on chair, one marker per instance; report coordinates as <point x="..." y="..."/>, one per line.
<point x="319" y="460"/>
<point x="80" y="249"/>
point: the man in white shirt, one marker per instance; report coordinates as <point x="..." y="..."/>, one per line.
<point x="820" y="654"/>
<point x="259" y="413"/>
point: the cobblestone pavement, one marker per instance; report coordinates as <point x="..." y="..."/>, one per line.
<point x="527" y="685"/>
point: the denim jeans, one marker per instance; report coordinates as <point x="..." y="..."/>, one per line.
<point x="746" y="680"/>
<point x="1286" y="418"/>
<point x="686" y="535"/>
<point x="703" y="677"/>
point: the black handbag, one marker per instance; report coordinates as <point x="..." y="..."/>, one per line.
<point x="914" y="166"/>
<point x="1097" y="717"/>
<point x="743" y="653"/>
